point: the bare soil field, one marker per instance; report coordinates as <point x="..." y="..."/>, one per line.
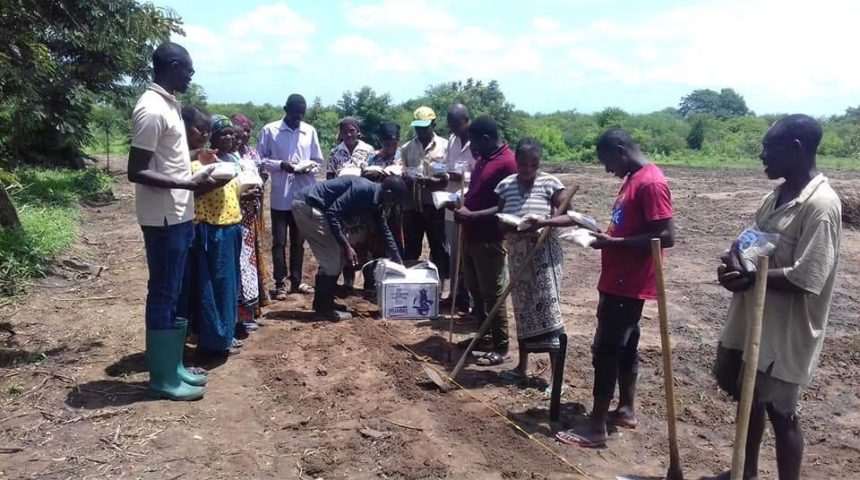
<point x="309" y="399"/>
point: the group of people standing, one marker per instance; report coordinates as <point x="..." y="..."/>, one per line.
<point x="203" y="242"/>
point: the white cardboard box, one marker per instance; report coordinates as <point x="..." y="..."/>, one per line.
<point x="407" y="293"/>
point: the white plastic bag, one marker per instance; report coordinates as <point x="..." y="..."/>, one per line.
<point x="306" y="166"/>
<point x="578" y="236"/>
<point x="249" y="179"/>
<point x="224" y="171"/>
<point x="751" y="243"/>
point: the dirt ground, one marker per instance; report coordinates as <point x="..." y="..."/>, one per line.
<point x="312" y="400"/>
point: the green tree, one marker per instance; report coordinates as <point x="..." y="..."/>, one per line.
<point x="195" y="96"/>
<point x="369" y="108"/>
<point x="698" y="129"/>
<point x="611" y="117"/>
<point x="56" y="57"/>
<point x="725" y="104"/>
<point x="325" y="120"/>
<point x="110" y="124"/>
<point x="480" y="98"/>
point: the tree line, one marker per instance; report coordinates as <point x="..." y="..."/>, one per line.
<point x="70" y="81"/>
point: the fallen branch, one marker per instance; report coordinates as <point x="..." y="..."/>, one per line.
<point x="87" y="298"/>
<point x="11" y="449"/>
<point x="97" y="415"/>
<point x="410" y="427"/>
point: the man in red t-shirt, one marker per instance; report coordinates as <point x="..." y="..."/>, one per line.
<point x="484" y="256"/>
<point x="642" y="211"/>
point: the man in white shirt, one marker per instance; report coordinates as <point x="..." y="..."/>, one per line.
<point x="423" y="160"/>
<point x="807" y="214"/>
<point x="282" y="145"/>
<point x="459" y="163"/>
<point x="160" y="167"/>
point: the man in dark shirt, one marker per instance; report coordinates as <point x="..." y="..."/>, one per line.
<point x="319" y="212"/>
<point x="484" y="256"/>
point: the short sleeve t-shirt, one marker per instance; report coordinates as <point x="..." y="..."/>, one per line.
<point x="158" y="128"/>
<point x="537" y="201"/>
<point x="220" y="206"/>
<point x="644" y="197"/>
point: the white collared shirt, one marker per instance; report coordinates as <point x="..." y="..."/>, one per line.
<point x="279" y="142"/>
<point x="414" y="155"/>
<point x="158" y="128"/>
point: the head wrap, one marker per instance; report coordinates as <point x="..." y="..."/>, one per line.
<point x="240" y="119"/>
<point x="389" y="130"/>
<point x="220" y="122"/>
<point x="349" y="121"/>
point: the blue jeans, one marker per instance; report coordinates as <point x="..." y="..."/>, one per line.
<point x="166" y="257"/>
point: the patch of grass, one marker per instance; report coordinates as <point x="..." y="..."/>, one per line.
<point x="61" y="187"/>
<point x="44" y="233"/>
<point x="47" y="203"/>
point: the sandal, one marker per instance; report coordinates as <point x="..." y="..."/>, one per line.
<point x="491" y="359"/>
<point x="237" y="343"/>
<point x="280" y="294"/>
<point x="303" y="288"/>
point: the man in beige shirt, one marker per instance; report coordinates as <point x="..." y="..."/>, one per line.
<point x="424" y="170"/>
<point x="806" y="213"/>
<point x="159" y="165"/>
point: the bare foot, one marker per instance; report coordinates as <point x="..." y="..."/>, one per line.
<point x="622" y="417"/>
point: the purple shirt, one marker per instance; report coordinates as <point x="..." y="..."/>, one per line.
<point x="482" y="194"/>
<point x="279" y="142"/>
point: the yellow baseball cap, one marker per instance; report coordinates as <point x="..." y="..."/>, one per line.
<point x="423" y="116"/>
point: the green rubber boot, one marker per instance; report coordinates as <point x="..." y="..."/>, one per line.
<point x="184" y="373"/>
<point x="162" y="359"/>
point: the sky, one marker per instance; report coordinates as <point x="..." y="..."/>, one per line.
<point x="783" y="56"/>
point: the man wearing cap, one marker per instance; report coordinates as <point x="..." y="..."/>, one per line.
<point x="424" y="171"/>
<point x="282" y="145"/>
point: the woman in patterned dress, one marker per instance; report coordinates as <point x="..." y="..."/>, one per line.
<point x="536" y="301"/>
<point x="253" y="293"/>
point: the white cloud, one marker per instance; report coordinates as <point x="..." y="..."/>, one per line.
<point x="277" y="20"/>
<point x="545" y="24"/>
<point x="391" y="14"/>
<point x="756" y="45"/>
<point x="356" y="45"/>
<point x="272" y="35"/>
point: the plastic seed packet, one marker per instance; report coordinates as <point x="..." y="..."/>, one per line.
<point x="751" y="243"/>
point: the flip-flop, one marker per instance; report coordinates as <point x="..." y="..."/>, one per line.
<point x="491" y="359"/>
<point x="567" y="437"/>
<point x="548" y="390"/>
<point x="512" y="375"/>
<point x="303" y="288"/>
<point x="613" y="418"/>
